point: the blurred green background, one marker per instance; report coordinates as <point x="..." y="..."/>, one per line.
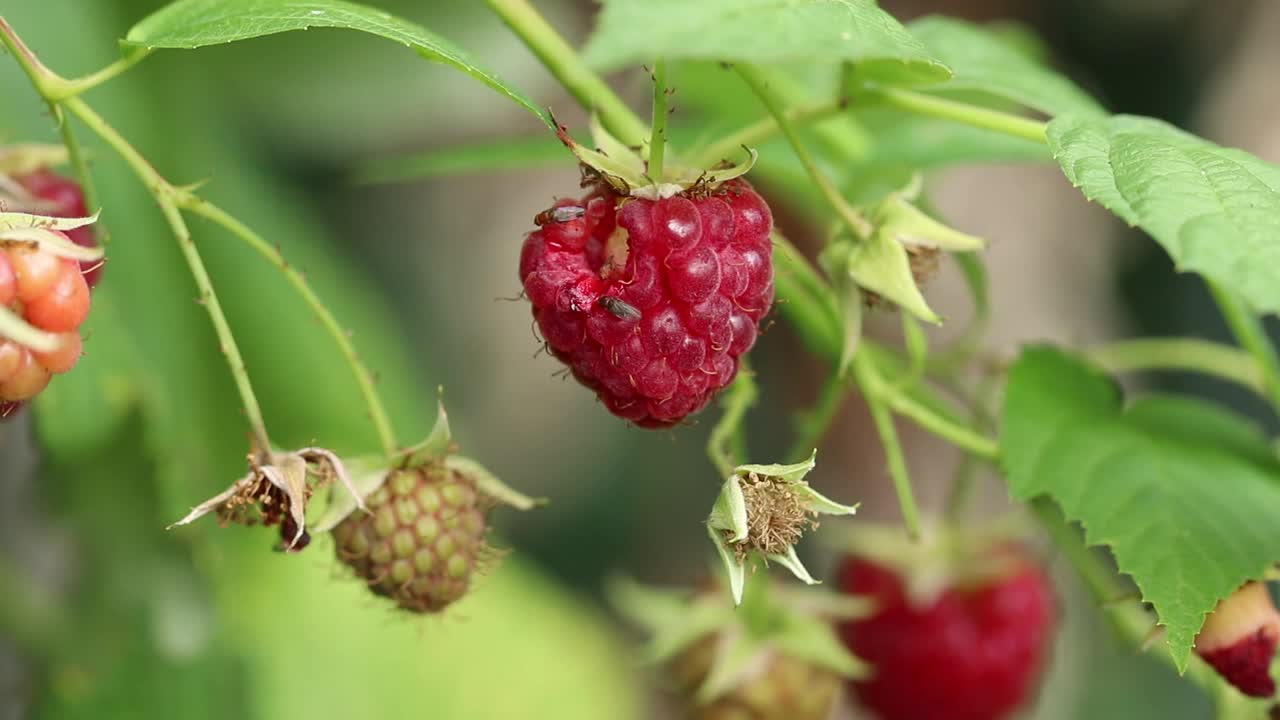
<point x="103" y="614"/>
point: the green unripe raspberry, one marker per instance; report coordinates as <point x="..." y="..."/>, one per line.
<point x="422" y="541"/>
<point x="780" y="688"/>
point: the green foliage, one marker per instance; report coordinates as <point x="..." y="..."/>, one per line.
<point x="497" y="155"/>
<point x="763" y="31"/>
<point x="1215" y="210"/>
<point x="1184" y="493"/>
<point x="982" y="61"/>
<point x="189" y="24"/>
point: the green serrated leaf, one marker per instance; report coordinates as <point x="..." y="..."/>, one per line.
<point x="763" y="32"/>
<point x="1215" y="210"/>
<point x="189" y="24"/>
<point x="1189" y="517"/>
<point x="981" y="61"/>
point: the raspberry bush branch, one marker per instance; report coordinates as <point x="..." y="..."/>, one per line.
<point x="1249" y="332"/>
<point x="961" y="112"/>
<point x="865" y="375"/>
<point x="377" y="411"/>
<point x="726" y="445"/>
<point x="658" y="133"/>
<point x="61" y="95"/>
<point x="1186" y="354"/>
<point x="166" y="196"/>
<point x="759" y="85"/>
<point x="560" y="58"/>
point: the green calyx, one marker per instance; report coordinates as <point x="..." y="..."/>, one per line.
<point x="890" y="261"/>
<point x="369" y="473"/>
<point x="761" y="513"/>
<point x="625" y="170"/>
<point x="779" y="620"/>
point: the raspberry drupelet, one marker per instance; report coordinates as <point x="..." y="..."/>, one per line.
<point x="651" y="303"/>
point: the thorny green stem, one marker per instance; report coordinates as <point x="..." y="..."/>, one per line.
<point x="960" y="112"/>
<point x="762" y="130"/>
<point x="80" y="167"/>
<point x="1189" y="354"/>
<point x="961" y="493"/>
<point x="562" y="60"/>
<point x="658" y="135"/>
<point x="863" y="372"/>
<point x="859" y="225"/>
<point x="62" y="89"/>
<point x="164" y="195"/>
<point x="377" y="412"/>
<point x="813" y="425"/>
<point x="1249" y="332"/>
<point x="726" y="446"/>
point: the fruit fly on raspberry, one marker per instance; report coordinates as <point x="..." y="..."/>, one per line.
<point x="558" y="215"/>
<point x="619" y="308"/>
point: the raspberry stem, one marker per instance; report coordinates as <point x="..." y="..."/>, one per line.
<point x="560" y="58"/>
<point x="813" y="425"/>
<point x="47" y="84"/>
<point x="762" y="130"/>
<point x="1211" y="358"/>
<point x="960" y="112"/>
<point x="75" y="154"/>
<point x="1248" y="331"/>
<point x="897" y="463"/>
<point x="658" y="135"/>
<point x="759" y="85"/>
<point x="727" y="444"/>
<point x="377" y="412"/>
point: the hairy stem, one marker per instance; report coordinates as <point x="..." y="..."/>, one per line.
<point x="61" y="89"/>
<point x="1249" y="332"/>
<point x="377" y="412"/>
<point x="165" y="197"/>
<point x="762" y="130"/>
<point x="1188" y="354"/>
<point x="922" y="104"/>
<point x="863" y="372"/>
<point x="814" y="424"/>
<point x="760" y="86"/>
<point x="658" y="135"/>
<point x="80" y="167"/>
<point x="562" y="60"/>
<point x="727" y="445"/>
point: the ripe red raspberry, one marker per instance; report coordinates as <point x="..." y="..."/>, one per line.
<point x="65" y="199"/>
<point x="651" y="302"/>
<point x="422" y="541"/>
<point x="51" y="294"/>
<point x="974" y="652"/>
<point x="1239" y="639"/>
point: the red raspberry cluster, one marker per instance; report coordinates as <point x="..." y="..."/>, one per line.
<point x="651" y="303"/>
<point x="49" y="292"/>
